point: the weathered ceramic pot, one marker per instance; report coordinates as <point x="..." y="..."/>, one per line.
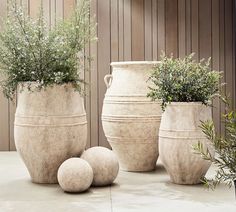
<point x="179" y="131"/>
<point x="131" y="120"/>
<point x="50" y="127"/>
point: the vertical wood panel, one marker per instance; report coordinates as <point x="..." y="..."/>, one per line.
<point x="154" y="30"/>
<point x="121" y="29"/>
<point x="216" y="57"/>
<point x="25" y="4"/>
<point x="161" y="27"/>
<point x="148" y="29"/>
<point x="52" y="13"/>
<point x="188" y="11"/>
<point x="127" y="30"/>
<point x="114" y="31"/>
<point x="222" y="55"/>
<point x="34" y="6"/>
<point x="94" y="84"/>
<point x="4" y="116"/>
<point x="229" y="49"/>
<point x="172" y="27"/>
<point x="68" y="7"/>
<point x="182" y="27"/>
<point x="87" y="87"/>
<point x="47" y="12"/>
<point x="59" y="10"/>
<point x="103" y="58"/>
<point x="204" y="28"/>
<point x="195" y="28"/>
<point x="137" y="29"/>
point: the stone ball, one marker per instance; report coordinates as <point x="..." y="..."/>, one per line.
<point x="104" y="164"/>
<point x="75" y="175"/>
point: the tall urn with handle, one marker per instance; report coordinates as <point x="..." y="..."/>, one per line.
<point x="131" y="120"/>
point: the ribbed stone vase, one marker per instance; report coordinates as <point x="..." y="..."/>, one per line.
<point x="131" y="120"/>
<point x="50" y="127"/>
<point x="179" y="131"/>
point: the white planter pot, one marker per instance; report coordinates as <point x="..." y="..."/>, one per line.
<point x="50" y="127"/>
<point x="179" y="131"/>
<point x="131" y="120"/>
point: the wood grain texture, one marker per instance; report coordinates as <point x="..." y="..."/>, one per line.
<point x="188" y="22"/>
<point x="137" y="29"/>
<point x="222" y="57"/>
<point x="154" y="30"/>
<point x="4" y="110"/>
<point x="68" y="7"/>
<point x="103" y="65"/>
<point x="121" y="29"/>
<point x="216" y="56"/>
<point x="182" y="28"/>
<point x="205" y="28"/>
<point x="127" y="30"/>
<point x="229" y="49"/>
<point x="161" y="30"/>
<point x="195" y="28"/>
<point x="34" y="8"/>
<point x="148" y="29"/>
<point x="94" y="131"/>
<point x="114" y="30"/>
<point x="171" y="16"/>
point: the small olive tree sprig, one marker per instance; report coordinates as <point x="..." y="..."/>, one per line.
<point x="225" y="149"/>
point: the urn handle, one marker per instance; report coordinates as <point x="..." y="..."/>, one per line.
<point x="108" y="80"/>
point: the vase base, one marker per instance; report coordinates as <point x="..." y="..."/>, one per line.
<point x="135" y="169"/>
<point x="185" y="182"/>
<point x="36" y="181"/>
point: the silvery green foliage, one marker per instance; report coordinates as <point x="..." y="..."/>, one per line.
<point x="183" y="80"/>
<point x="29" y="51"/>
<point x="225" y="147"/>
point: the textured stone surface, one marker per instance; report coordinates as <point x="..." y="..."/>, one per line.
<point x="75" y="175"/>
<point x="104" y="164"/>
<point x="50" y="127"/>
<point x="179" y="131"/>
<point x="131" y="120"/>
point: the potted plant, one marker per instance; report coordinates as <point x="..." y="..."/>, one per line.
<point x="43" y="65"/>
<point x="185" y="88"/>
<point x="225" y="147"/>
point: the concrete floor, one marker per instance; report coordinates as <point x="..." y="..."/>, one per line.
<point x="131" y="192"/>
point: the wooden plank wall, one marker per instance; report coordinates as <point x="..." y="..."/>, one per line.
<point x="141" y="30"/>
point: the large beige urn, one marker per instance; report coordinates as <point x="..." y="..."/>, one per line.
<point x="131" y="120"/>
<point x="179" y="132"/>
<point x="50" y="127"/>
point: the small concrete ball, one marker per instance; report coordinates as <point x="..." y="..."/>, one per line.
<point x="104" y="164"/>
<point x="75" y="175"/>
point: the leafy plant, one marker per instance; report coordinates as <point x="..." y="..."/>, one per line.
<point x="225" y="148"/>
<point x="183" y="80"/>
<point x="30" y="52"/>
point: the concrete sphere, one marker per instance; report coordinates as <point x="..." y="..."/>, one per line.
<point x="104" y="164"/>
<point x="75" y="175"/>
